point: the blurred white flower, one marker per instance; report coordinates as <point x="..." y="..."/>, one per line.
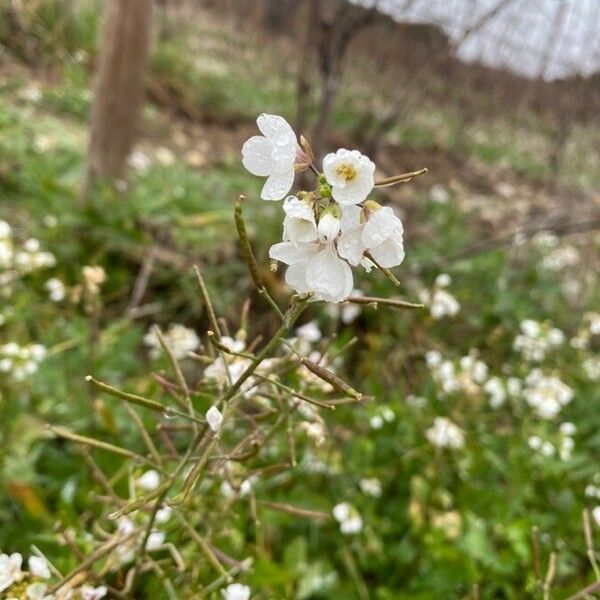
<point x="139" y="160"/>
<point x="568" y="428"/>
<point x="272" y="155"/>
<point x="149" y="481"/>
<point x="214" y="418"/>
<point x="56" y="289"/>
<point x="537" y="339"/>
<point x="376" y="422"/>
<point x="439" y="194"/>
<point x="596" y="515"/>
<point x="38" y="567"/>
<point x="591" y="367"/>
<point x="93" y="277"/>
<point x="348" y="517"/>
<point x="180" y="339"/>
<point x="350" y="174"/>
<point x="93" y="593"/>
<point x="495" y="389"/>
<point x="10" y="570"/>
<point x="371" y="487"/>
<point x="155" y="540"/>
<point x="546" y="394"/>
<point x="310" y="332"/>
<point x="236" y="591"/>
<point x="445" y="434"/>
<point x="443" y="303"/>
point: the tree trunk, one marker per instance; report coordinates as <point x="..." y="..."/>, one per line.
<point x="119" y="87"/>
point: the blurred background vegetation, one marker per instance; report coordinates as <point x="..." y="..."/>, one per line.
<point x="509" y="209"/>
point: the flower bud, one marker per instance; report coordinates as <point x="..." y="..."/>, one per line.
<point x="329" y="226"/>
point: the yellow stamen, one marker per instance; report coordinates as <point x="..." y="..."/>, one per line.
<point x="348" y="172"/>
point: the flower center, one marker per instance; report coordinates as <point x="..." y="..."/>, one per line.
<point x="348" y="172"/>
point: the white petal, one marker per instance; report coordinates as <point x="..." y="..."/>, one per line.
<point x="380" y="226"/>
<point x="294" y="207"/>
<point x="257" y="156"/>
<point x="290" y="254"/>
<point x="276" y="128"/>
<point x="356" y="193"/>
<point x="214" y="418"/>
<point x="327" y="275"/>
<point x="329" y="227"/>
<point x="38" y="567"/>
<point x="350" y="245"/>
<point x="350" y="216"/>
<point x="390" y="253"/>
<point x="295" y="276"/>
<point x="278" y="185"/>
<point x="299" y="230"/>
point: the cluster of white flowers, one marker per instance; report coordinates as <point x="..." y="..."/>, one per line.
<point x="348" y="517"/>
<point x="34" y="581"/>
<point x="56" y="289"/>
<point x="181" y="341"/>
<point x="546" y="394"/>
<point x="331" y="229"/>
<point x="385" y="415"/>
<point x="467" y="376"/>
<point x="236" y="591"/>
<point x="591" y="367"/>
<point x="537" y="339"/>
<point x="589" y="328"/>
<point x="440" y="301"/>
<point x="16" y="261"/>
<point x="560" y="259"/>
<point x="21" y="361"/>
<point x="445" y="434"/>
<point x="439" y="194"/>
<point x="371" y="486"/>
<point x="566" y="444"/>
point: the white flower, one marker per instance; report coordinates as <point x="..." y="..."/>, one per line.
<point x="163" y="514"/>
<point x="315" y="268"/>
<point x="10" y="570"/>
<point x="376" y="422"/>
<point x="370" y="487"/>
<point x="568" y="428"/>
<point x="299" y="224"/>
<point x="155" y="540"/>
<point x="443" y="303"/>
<point x="596" y="515"/>
<point x="439" y="194"/>
<point x="535" y="442"/>
<point x="37" y="591"/>
<point x="310" y="332"/>
<point x="381" y="235"/>
<point x="236" y="591"/>
<point x="350" y="174"/>
<point x="445" y="434"/>
<point x="495" y="388"/>
<point x="546" y="394"/>
<point x="181" y="340"/>
<point x="91" y="593"/>
<point x="443" y="280"/>
<point x="149" y="481"/>
<point x="38" y="567"/>
<point x="272" y="155"/>
<point x="214" y="418"/>
<point x="56" y="289"/>
<point x="348" y="517"/>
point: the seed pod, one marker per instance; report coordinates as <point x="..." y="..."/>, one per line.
<point x="328" y="376"/>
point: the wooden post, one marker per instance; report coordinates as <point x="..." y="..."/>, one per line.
<point x="119" y="86"/>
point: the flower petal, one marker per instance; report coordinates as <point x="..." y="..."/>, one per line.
<point x="380" y="225"/>
<point x="276" y="128"/>
<point x="350" y="246"/>
<point x="257" y="156"/>
<point x="327" y="275"/>
<point x="390" y="253"/>
<point x="354" y="192"/>
<point x="295" y="276"/>
<point x="278" y="185"/>
<point x="289" y="253"/>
